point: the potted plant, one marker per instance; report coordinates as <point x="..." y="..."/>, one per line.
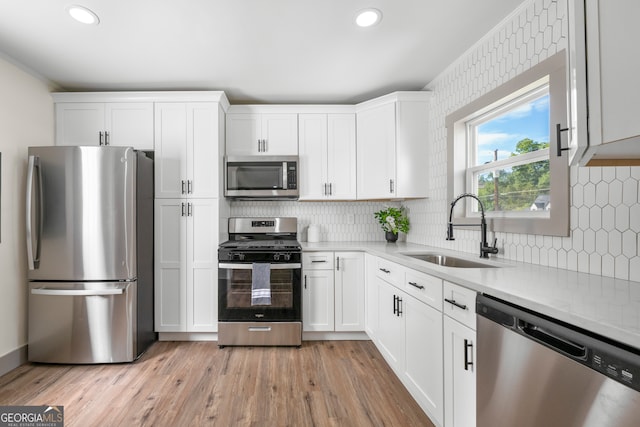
<point x="392" y="220"/>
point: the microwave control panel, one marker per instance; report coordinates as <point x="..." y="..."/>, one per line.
<point x="292" y="176"/>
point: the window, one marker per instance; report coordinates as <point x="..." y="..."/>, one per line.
<point x="499" y="150"/>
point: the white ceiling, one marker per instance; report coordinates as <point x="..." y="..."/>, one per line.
<point x="257" y="51"/>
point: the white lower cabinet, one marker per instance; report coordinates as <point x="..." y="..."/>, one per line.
<point x="349" y="291"/>
<point x="459" y="357"/>
<point x="186" y="265"/>
<point x="317" y="302"/>
<point x="391" y="338"/>
<point x="423" y="367"/>
<point x="372" y="318"/>
<point x="333" y="291"/>
<point x="409" y="336"/>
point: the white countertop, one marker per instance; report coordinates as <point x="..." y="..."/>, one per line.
<point x="606" y="306"/>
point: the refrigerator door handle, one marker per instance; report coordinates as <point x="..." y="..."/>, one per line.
<point x="77" y="292"/>
<point x="33" y="260"/>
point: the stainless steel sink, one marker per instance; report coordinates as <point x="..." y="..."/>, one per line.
<point x="450" y="261"/>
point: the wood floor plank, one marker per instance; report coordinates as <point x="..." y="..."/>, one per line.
<point x="322" y="383"/>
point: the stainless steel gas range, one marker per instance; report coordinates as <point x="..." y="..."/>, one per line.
<point x="260" y="283"/>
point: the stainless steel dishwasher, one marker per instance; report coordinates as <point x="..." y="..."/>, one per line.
<point x="535" y="371"/>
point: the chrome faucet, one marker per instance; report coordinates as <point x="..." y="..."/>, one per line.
<point x="485" y="249"/>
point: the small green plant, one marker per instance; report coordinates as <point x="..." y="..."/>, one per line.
<point x="393" y="220"/>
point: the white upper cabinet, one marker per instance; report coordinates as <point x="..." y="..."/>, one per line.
<point x="187" y="158"/>
<point x="261" y="133"/>
<point x="126" y="124"/>
<point x="391" y="144"/>
<point x="327" y="150"/>
<point x="604" y="94"/>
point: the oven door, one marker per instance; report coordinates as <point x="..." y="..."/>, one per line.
<point x="234" y="293"/>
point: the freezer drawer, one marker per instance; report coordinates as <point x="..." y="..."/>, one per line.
<point x="82" y="322"/>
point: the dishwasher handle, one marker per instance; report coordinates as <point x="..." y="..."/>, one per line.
<point x="560" y="344"/>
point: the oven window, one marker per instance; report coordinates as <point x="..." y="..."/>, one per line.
<point x="258" y="176"/>
<point x="239" y="289"/>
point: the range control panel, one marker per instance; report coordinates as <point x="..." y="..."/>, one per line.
<point x="263" y="223"/>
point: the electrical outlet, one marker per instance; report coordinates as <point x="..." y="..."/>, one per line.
<point x="350" y="218"/>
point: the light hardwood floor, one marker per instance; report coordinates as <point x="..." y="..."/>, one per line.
<point x="323" y="383"/>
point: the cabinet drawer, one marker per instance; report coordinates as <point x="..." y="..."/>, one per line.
<point x="317" y="260"/>
<point x="390" y="272"/>
<point x="427" y="289"/>
<point x="459" y="303"/>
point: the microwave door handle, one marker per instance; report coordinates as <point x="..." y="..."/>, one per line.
<point x="284" y="176"/>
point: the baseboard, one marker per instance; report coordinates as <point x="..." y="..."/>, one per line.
<point x="13" y="359"/>
<point x="306" y="336"/>
<point x="334" y="336"/>
<point x="187" y="336"/>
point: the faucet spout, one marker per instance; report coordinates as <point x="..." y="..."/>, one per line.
<point x="485" y="249"/>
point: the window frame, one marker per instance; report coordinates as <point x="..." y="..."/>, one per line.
<point x="554" y="222"/>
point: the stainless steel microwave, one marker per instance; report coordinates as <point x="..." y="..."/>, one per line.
<point x="261" y="177"/>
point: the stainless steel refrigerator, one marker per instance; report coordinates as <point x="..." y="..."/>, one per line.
<point x="89" y="226"/>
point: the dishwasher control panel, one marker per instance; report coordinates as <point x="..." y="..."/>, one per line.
<point x="619" y="370"/>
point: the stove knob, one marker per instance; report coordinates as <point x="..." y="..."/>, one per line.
<point x="287" y="257"/>
<point x="276" y="257"/>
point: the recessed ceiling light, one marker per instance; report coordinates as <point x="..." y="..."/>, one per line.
<point x="368" y="17"/>
<point x="82" y="14"/>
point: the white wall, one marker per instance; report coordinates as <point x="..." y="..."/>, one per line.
<point x="26" y="118"/>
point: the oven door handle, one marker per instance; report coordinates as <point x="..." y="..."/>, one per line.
<point x="242" y="266"/>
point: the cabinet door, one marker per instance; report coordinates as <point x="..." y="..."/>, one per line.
<point x="79" y="123"/>
<point x="202" y="150"/>
<point x="371" y="290"/>
<point x="391" y="338"/>
<point x="317" y="304"/>
<point x="614" y="95"/>
<point x="312" y="147"/>
<point x="349" y="291"/>
<point x="577" y="79"/>
<point x="202" y="265"/>
<point x="243" y="133"/>
<point x="130" y="124"/>
<point x="341" y="156"/>
<point x="169" y="270"/>
<point x="423" y="368"/>
<point x="171" y="149"/>
<point x="280" y="132"/>
<point x="459" y="374"/>
<point x="376" y="152"/>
